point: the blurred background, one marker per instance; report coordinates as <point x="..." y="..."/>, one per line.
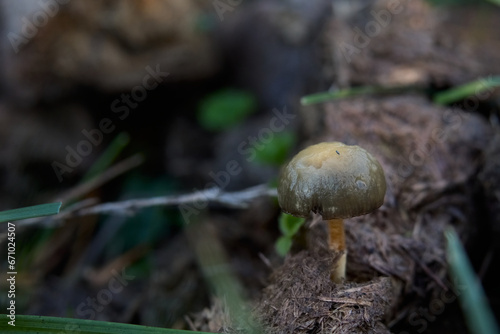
<point x="182" y="94"/>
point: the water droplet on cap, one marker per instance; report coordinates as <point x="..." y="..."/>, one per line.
<point x="361" y="184"/>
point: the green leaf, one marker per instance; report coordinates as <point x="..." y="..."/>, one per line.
<point x="461" y="92"/>
<point x="225" y="109"/>
<point x="283" y="245"/>
<point x="289" y="225"/>
<point x="478" y="314"/>
<point x="276" y="151"/>
<point x="41" y="324"/>
<point x="30" y="212"/>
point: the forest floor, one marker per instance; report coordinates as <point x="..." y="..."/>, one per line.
<point x="135" y="99"/>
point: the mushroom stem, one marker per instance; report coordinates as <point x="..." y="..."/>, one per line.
<point x="337" y="243"/>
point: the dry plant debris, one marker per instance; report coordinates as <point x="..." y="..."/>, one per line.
<point x="302" y="299"/>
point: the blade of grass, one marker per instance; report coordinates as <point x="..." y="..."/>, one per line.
<point x="42" y="324"/>
<point x="30" y="212"/>
<point x="108" y="156"/>
<point x="217" y="271"/>
<point x="496" y="2"/>
<point x="112" y="172"/>
<point x="354" y="91"/>
<point x="463" y="91"/>
<point x="478" y="314"/>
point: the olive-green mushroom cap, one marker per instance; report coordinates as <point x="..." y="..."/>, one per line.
<point x="332" y="179"/>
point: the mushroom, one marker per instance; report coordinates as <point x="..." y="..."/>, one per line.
<point x="337" y="181"/>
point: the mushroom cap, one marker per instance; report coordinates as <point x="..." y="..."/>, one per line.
<point x="332" y="179"/>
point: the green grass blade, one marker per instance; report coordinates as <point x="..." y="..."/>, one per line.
<point x="353" y="92"/>
<point x="108" y="156"/>
<point x="463" y="91"/>
<point x="339" y="94"/>
<point x="478" y="314"/>
<point x="42" y="324"/>
<point x="226" y="286"/>
<point x="30" y="212"/>
<point x="496" y="2"/>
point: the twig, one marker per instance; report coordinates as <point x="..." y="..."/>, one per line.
<point x="83" y="189"/>
<point x="111" y="173"/>
<point x="350" y="301"/>
<point x="238" y="199"/>
<point x="426" y="269"/>
<point x="368" y="287"/>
